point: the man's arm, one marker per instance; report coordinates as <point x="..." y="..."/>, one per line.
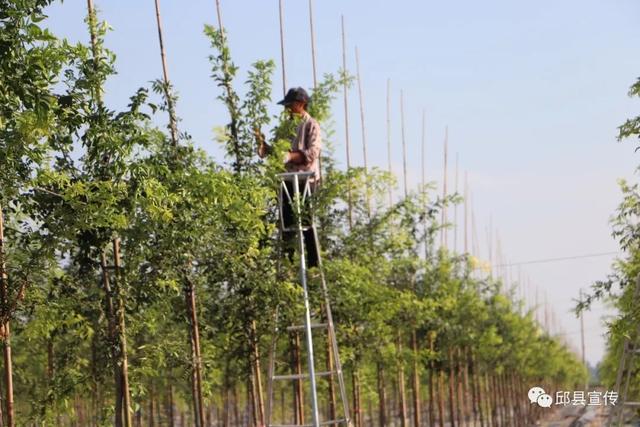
<point x="295" y="157"/>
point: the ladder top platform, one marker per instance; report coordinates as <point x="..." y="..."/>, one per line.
<point x="289" y="176"/>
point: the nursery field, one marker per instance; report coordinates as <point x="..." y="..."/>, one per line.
<point x="143" y="279"/>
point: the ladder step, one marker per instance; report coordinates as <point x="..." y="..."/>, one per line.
<point x="304" y="228"/>
<point x="323" y="423"/>
<point x="302" y="376"/>
<point x="302" y="327"/>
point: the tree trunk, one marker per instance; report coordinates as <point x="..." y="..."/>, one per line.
<point x="236" y="406"/>
<point x="170" y="407"/>
<point x="475" y="391"/>
<point x="121" y="335"/>
<point x="298" y="383"/>
<point x="355" y="380"/>
<point x="441" y="394"/>
<point x="382" y="397"/>
<point x="5" y="330"/>
<point x="283" y="411"/>
<point x="151" y="411"/>
<point x="196" y="357"/>
<point x="462" y="403"/>
<point x="416" y="380"/>
<point x="226" y="411"/>
<point x="258" y="397"/>
<point x="111" y="322"/>
<point x="493" y="398"/>
<point x="251" y="401"/>
<point x="452" y="399"/>
<point x="401" y="387"/>
<point x="432" y="412"/>
<point x="331" y="384"/>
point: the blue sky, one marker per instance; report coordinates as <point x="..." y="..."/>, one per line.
<point x="532" y="93"/>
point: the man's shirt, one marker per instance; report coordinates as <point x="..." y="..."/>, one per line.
<point x="308" y="141"/>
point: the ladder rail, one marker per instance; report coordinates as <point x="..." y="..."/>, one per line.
<point x="331" y="332"/>
<point x="299" y="196"/>
<point x="307" y="313"/>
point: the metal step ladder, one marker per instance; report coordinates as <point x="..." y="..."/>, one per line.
<point x="295" y="194"/>
<point x="630" y="349"/>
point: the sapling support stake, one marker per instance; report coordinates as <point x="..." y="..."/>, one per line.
<point x="282" y="56"/>
<point x="390" y="169"/>
<point x="173" y="127"/>
<point x="404" y="145"/>
<point x="345" y="89"/>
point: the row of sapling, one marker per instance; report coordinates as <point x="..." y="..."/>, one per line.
<point x="141" y="276"/>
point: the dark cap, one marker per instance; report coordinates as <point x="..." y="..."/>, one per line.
<point x="295" y="94"/>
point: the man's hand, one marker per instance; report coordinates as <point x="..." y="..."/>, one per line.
<point x="263" y="147"/>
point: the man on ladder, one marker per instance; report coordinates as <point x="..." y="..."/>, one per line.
<point x="304" y="156"/>
<point x="302" y="162"/>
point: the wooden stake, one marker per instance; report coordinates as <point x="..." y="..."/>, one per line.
<point x="389" y="139"/>
<point x="282" y="60"/>
<point x="443" y="231"/>
<point x="475" y="247"/>
<point x="313" y="45"/>
<point x="424" y="186"/>
<point x="364" y="135"/>
<point x="5" y="331"/>
<point x="172" y="114"/>
<point x="94" y="44"/>
<point x="345" y="90"/>
<point x="404" y="145"/>
<point x="455" y="211"/>
<point x="466" y="213"/>
<point x="422" y="156"/>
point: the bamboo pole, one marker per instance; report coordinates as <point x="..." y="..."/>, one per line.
<point x="404" y="145"/>
<point x="173" y="127"/>
<point x="345" y="90"/>
<point x="94" y="45"/>
<point x="423" y="181"/>
<point x="282" y="56"/>
<point x="313" y="45"/>
<point x="389" y="139"/>
<point x="424" y="185"/>
<point x="455" y="210"/>
<point x="5" y="331"/>
<point x="313" y="61"/>
<point x="364" y="134"/>
<point x="443" y="231"/>
<point x="466" y="213"/>
<point x="475" y="244"/>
